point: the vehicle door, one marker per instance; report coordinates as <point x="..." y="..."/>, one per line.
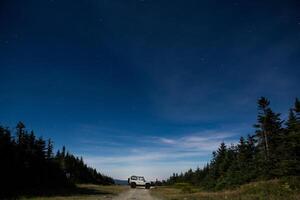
<point x="141" y="181"/>
<point x="134" y="179"/>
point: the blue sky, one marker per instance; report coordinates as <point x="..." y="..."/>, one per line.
<point x="146" y="87"/>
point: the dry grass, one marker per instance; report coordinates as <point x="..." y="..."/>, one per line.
<point x="85" y="191"/>
<point x="265" y="190"/>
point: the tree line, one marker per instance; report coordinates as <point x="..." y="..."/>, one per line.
<point x="273" y="151"/>
<point x="29" y="162"/>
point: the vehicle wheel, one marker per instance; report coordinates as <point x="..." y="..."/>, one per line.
<point x="147" y="186"/>
<point x="133" y="185"/>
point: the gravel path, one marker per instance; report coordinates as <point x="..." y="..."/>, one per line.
<point x="135" y="194"/>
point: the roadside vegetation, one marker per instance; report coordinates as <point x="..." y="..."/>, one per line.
<point x="277" y="189"/>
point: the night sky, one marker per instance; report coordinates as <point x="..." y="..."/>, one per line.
<point x="146" y="87"/>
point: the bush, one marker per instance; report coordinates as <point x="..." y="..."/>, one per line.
<point x="292" y="182"/>
<point x="184" y="187"/>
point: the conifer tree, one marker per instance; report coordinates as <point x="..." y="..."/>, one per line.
<point x="20" y="132"/>
<point x="49" y="153"/>
<point x="268" y="133"/>
<point x="290" y="161"/>
<point x="262" y="132"/>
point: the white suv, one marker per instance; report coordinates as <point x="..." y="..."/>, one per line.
<point x="134" y="181"/>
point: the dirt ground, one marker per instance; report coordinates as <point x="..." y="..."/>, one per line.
<point x="97" y="192"/>
<point x="135" y="194"/>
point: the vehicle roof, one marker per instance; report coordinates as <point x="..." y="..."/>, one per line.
<point x="137" y="176"/>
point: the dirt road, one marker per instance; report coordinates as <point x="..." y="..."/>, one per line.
<point x="135" y="194"/>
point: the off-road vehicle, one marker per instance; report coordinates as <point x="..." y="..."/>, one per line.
<point x="134" y="181"/>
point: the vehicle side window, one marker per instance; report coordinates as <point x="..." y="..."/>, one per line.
<point x="141" y="179"/>
<point x="133" y="178"/>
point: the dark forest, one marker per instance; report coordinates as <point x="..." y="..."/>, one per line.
<point x="28" y="163"/>
<point x="273" y="151"/>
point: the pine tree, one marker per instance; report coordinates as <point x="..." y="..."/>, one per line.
<point x="221" y="160"/>
<point x="290" y="162"/>
<point x="262" y="133"/>
<point x="291" y="123"/>
<point x="251" y="152"/>
<point x="297" y="113"/>
<point x="268" y="133"/>
<point x="49" y="153"/>
<point x="63" y="152"/>
<point x="20" y="132"/>
<point x="41" y="148"/>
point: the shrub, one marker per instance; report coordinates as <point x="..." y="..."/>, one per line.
<point x="184" y="187"/>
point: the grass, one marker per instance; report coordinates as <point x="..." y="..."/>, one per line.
<point x="263" y="190"/>
<point x="83" y="191"/>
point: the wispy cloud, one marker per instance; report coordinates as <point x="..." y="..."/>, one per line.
<point x="201" y="141"/>
<point x="173" y="154"/>
<point x="167" y="141"/>
<point x="142" y="157"/>
<point x="153" y="165"/>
